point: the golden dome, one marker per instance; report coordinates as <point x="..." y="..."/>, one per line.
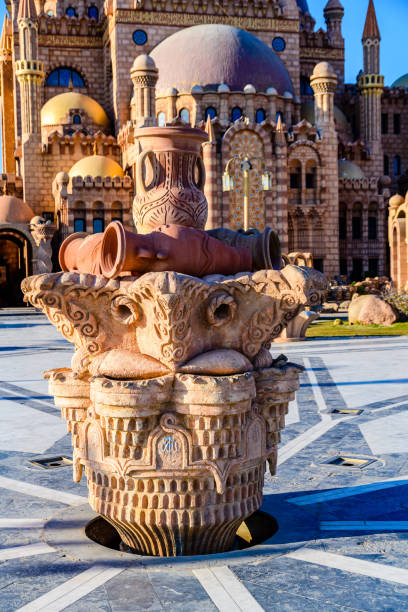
<point x="14" y="210"/>
<point x="58" y="107"/>
<point x="96" y="165"/>
<point x="349" y="170"/>
<point x="396" y="200"/>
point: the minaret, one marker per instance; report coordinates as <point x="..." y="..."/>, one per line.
<point x="144" y="75"/>
<point x="7" y="97"/>
<point x="333" y="14"/>
<point x="29" y="70"/>
<point x="30" y="73"/>
<point x="371" y="85"/>
<point x="324" y="82"/>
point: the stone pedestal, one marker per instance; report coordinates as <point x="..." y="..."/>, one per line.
<point x="173" y="401"/>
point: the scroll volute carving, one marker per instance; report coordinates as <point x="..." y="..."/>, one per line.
<point x="170" y="177"/>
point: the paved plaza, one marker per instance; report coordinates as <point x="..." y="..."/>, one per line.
<point x="343" y="527"/>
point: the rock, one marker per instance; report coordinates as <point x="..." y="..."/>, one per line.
<point x="330" y="307"/>
<point x="345" y="305"/>
<point x="371" y="309"/>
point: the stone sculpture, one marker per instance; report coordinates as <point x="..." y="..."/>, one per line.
<point x="173" y="399"/>
<point x="42" y="233"/>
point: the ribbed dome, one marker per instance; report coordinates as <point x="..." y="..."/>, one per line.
<point x="349" y="170"/>
<point x="401" y="82"/>
<point x="14" y="210"/>
<point x="96" y="165"/>
<point x="211" y="55"/>
<point x="58" y="107"/>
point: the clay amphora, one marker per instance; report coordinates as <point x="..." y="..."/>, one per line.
<point x="170" y="176"/>
<point x="172" y="248"/>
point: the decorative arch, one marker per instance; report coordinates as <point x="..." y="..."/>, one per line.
<point x="16" y="262"/>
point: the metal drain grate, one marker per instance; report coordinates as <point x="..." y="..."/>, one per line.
<point x="354" y="411"/>
<point x="49" y="463"/>
<point x="350" y="461"/>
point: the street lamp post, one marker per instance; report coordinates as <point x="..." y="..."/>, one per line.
<point x="245" y="163"/>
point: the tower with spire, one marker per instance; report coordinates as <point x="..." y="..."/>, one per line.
<point x="371" y="85"/>
<point x="333" y="14"/>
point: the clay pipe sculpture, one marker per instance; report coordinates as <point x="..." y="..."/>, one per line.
<point x="80" y="252"/>
<point x="169" y="248"/>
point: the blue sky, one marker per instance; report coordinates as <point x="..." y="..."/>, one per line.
<point x="392" y="16"/>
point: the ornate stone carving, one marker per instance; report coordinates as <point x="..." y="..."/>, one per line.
<point x="171" y="317"/>
<point x="42" y="233"/>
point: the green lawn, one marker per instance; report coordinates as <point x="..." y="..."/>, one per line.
<point x="326" y="329"/>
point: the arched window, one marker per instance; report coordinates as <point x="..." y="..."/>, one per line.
<point x="71" y="12"/>
<point x="117" y="214"/>
<point x="98" y="225"/>
<point x="260" y="115"/>
<point x="372" y="222"/>
<point x="185" y="115"/>
<point x="79" y="225"/>
<point x="397" y="165"/>
<point x="76" y="119"/>
<point x="62" y="77"/>
<point x="93" y="13"/>
<point x="210" y="112"/>
<point x="236" y="113"/>
<point x="386" y="165"/>
<point x="161" y="119"/>
<point x="305" y="89"/>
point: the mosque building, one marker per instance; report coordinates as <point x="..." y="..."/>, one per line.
<point x="78" y="76"/>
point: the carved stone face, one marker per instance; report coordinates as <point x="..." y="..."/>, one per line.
<point x="161" y="321"/>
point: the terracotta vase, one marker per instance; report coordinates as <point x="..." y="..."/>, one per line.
<point x="172" y="248"/>
<point x="170" y="177"/>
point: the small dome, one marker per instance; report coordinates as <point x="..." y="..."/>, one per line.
<point x="349" y="170"/>
<point x="14" y="210"/>
<point x="58" y="107"/>
<point x="271" y="91"/>
<point x="197" y="89"/>
<point x="307" y="111"/>
<point x="401" y="82"/>
<point x="324" y="70"/>
<point x="144" y="62"/>
<point x="249" y="89"/>
<point x="96" y="165"/>
<point x="223" y="88"/>
<point x="210" y="55"/>
<point x="396" y="200"/>
<point x="37" y="220"/>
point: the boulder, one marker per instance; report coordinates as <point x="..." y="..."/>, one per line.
<point x="371" y="309"/>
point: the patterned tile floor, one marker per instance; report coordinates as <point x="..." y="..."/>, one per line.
<point x="342" y="541"/>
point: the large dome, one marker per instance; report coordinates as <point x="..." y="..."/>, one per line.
<point x="401" y="82"/>
<point x="307" y="112"/>
<point x="14" y="210"/>
<point x="96" y="165"/>
<point x="212" y="55"/>
<point x="58" y="107"/>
